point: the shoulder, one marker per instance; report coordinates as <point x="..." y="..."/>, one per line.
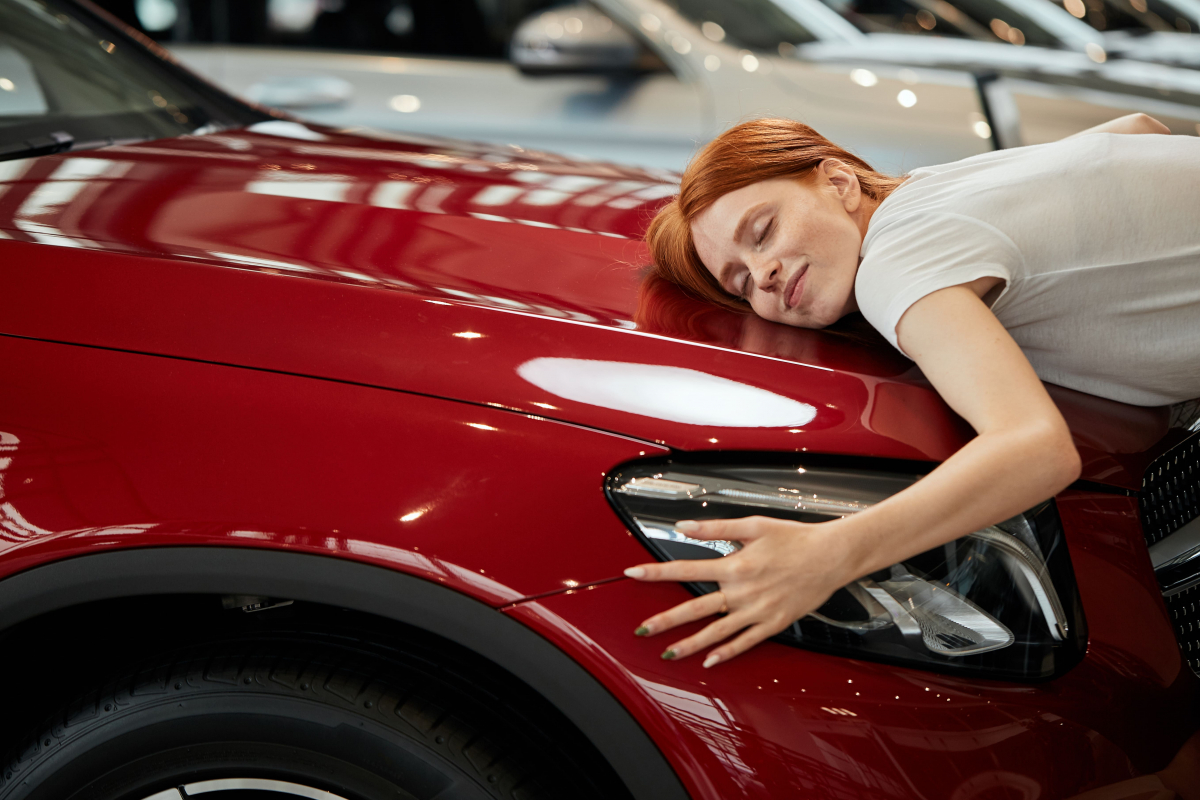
<point x="991" y="191"/>
<point x="914" y="255"/>
<point x="917" y="231"/>
<point x="957" y="186"/>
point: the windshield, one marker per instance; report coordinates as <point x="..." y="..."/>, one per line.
<point x="985" y="20"/>
<point x="70" y="80"/>
<point x="752" y="24"/>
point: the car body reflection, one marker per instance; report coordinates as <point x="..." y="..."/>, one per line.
<point x="669" y="393"/>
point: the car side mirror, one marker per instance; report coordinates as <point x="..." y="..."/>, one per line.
<point x="577" y="39"/>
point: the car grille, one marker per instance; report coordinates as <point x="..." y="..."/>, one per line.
<point x="1185" y="613"/>
<point x="1170" y="498"/>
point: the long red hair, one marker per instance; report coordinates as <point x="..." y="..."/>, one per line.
<point x="760" y="150"/>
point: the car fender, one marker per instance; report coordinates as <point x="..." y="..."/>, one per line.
<point x="369" y="589"/>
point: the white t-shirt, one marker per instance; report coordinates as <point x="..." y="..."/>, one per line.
<point x="1098" y="242"/>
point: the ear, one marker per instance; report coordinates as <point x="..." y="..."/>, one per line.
<point x="842" y="180"/>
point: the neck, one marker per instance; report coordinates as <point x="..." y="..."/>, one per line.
<point x="866" y="209"/>
<point x="862" y="218"/>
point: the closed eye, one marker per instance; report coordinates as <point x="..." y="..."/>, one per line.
<point x="744" y="289"/>
<point x="766" y="231"/>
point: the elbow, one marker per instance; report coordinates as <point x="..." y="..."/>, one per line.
<point x="1062" y="460"/>
<point x="1144" y="123"/>
<point x="1048" y="455"/>
<point x="1072" y="466"/>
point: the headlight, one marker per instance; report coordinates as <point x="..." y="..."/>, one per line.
<point x="999" y="603"/>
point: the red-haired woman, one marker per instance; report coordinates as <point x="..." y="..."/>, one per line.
<point x="1076" y="262"/>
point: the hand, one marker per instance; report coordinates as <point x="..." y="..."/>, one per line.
<point x="784" y="570"/>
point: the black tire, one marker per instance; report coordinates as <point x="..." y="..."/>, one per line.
<point x="339" y="720"/>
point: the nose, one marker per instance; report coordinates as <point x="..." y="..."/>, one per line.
<point x="766" y="273"/>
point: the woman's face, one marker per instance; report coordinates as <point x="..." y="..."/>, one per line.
<point x="789" y="247"/>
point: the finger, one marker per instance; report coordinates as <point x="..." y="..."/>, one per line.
<point x="711" y="634"/>
<point x="752" y="636"/>
<point x="705" y="569"/>
<point x="690" y="611"/>
<point x="742" y="530"/>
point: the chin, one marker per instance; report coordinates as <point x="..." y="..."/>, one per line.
<point x="803" y="322"/>
<point x="800" y="318"/>
<point x="817" y="319"/>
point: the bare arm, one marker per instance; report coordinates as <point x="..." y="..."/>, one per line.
<point x="1130" y="123"/>
<point x="1022" y="455"/>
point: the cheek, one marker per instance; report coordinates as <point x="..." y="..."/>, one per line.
<point x="801" y="235"/>
<point x="823" y="236"/>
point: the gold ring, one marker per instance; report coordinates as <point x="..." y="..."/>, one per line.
<point x="724" y="606"/>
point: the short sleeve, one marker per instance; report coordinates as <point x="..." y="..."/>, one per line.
<point x="907" y="258"/>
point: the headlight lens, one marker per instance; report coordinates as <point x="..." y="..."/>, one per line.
<point x="1000" y="602"/>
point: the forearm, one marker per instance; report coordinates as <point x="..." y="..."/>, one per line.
<point x="1022" y="455"/>
<point x="997" y="475"/>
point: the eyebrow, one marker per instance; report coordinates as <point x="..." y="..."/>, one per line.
<point x="737" y="237"/>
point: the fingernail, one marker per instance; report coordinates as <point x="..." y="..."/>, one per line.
<point x="668" y="655"/>
<point x="687" y="526"/>
<point x="635" y="572"/>
<point x="713" y="658"/>
<point x="642" y="631"/>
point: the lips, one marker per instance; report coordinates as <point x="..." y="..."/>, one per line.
<point x="795" y="288"/>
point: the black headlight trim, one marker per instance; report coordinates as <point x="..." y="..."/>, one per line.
<point x="1050" y="659"/>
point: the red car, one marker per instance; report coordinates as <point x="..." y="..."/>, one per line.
<point x="322" y="454"/>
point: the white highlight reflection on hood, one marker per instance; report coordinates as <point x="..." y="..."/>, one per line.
<point x="669" y="393"/>
<point x="288" y="130"/>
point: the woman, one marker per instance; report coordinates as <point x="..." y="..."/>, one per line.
<point x="1076" y="262"/>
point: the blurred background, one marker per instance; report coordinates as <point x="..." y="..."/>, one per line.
<point x="474" y="28"/>
<point x="646" y="82"/>
<point x="483" y="28"/>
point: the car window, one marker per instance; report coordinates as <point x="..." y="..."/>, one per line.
<point x="984" y="20"/>
<point x="753" y="24"/>
<point x="1126" y="15"/>
<point x="66" y="75"/>
<point x="909" y="16"/>
<point x="1007" y="23"/>
<point x="470" y="28"/>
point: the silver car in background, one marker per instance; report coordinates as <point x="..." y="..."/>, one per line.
<point x="647" y="81"/>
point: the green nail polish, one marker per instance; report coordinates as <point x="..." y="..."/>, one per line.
<point x="668" y="655"/>
<point x="642" y="631"/>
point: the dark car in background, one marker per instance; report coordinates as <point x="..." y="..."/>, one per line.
<point x="322" y="454"/>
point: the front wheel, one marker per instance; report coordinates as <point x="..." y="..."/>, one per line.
<point x="274" y="722"/>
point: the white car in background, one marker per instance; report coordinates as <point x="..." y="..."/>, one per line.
<point x="647" y="81"/>
<point x="1155" y="31"/>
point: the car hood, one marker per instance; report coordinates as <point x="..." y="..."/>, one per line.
<point x="474" y="273"/>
